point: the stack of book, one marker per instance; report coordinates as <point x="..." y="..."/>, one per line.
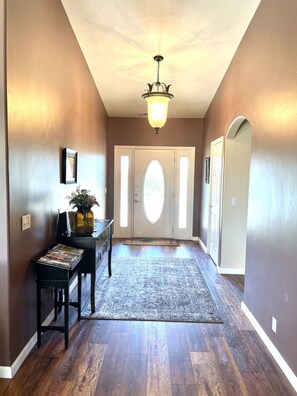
<point x="61" y="256"/>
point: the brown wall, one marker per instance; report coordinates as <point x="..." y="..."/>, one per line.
<point x="4" y="274"/>
<point x="137" y="132"/>
<point x="261" y="85"/>
<point x="52" y="103"/>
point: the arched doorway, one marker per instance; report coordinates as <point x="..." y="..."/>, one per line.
<point x="235" y="197"/>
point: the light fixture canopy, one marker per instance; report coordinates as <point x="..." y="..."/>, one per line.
<point x="157" y="97"/>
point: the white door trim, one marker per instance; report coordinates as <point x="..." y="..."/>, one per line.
<point x="127" y="232"/>
<point x="219" y="140"/>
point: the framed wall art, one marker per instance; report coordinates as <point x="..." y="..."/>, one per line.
<point x="69" y="166"/>
<point x="207" y="170"/>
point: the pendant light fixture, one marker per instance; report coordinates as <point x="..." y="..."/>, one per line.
<point x="157" y="98"/>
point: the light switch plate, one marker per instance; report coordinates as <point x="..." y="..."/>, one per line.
<point x="233" y="201"/>
<point x="26" y="222"/>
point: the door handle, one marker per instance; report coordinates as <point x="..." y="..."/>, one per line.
<point x="136" y="201"/>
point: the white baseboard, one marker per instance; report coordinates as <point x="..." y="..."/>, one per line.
<point x="275" y="353"/>
<point x="195" y="239"/>
<point x="202" y="244"/>
<point x="230" y="271"/>
<point x="9" y="371"/>
<point x="5" y="372"/>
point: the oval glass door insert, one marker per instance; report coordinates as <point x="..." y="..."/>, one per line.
<point x="153" y="191"/>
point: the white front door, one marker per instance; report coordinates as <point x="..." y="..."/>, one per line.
<point x="153" y="192"/>
<point x="216" y="174"/>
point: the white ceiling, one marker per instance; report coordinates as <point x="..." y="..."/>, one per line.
<point x="197" y="38"/>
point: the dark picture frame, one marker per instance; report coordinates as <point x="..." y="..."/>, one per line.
<point x="207" y="170"/>
<point x="69" y="166"/>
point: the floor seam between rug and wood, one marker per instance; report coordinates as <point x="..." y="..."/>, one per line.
<point x="154" y="289"/>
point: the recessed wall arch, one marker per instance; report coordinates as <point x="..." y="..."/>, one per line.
<point x="234" y="127"/>
<point x="237" y="159"/>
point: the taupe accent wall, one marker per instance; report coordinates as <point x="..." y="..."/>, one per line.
<point x="4" y="235"/>
<point x="177" y="132"/>
<point x="261" y="84"/>
<point x="52" y="103"/>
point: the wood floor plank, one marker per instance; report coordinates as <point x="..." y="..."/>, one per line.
<point x="184" y="390"/>
<point x="53" y="388"/>
<point x="244" y="357"/>
<point x="257" y="384"/>
<point x="205" y="374"/>
<point x="158" y="371"/>
<point x="226" y="366"/>
<point x="100" y="332"/>
<point x="138" y="338"/>
<point x="234" y="312"/>
<point x="67" y="369"/>
<point x="88" y="370"/>
<point x="112" y="370"/>
<point x="267" y="364"/>
<point x="179" y="355"/>
<point x="135" y="375"/>
<point x="195" y="337"/>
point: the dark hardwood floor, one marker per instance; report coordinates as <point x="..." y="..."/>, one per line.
<point x="156" y="358"/>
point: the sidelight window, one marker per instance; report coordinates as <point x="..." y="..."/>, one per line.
<point x="183" y="192"/>
<point x="124" y="190"/>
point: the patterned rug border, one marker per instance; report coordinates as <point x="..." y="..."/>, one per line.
<point x="151" y="242"/>
<point x="137" y="308"/>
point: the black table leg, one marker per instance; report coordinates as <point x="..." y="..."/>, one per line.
<point x="78" y="295"/>
<point x="38" y="316"/>
<point x="93" y="281"/>
<point x="60" y="300"/>
<point x="66" y="313"/>
<point x="56" y="303"/>
<point x="109" y="256"/>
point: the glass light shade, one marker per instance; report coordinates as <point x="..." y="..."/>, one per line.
<point x="157" y="107"/>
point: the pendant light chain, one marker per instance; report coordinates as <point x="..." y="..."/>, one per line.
<point x="158" y="71"/>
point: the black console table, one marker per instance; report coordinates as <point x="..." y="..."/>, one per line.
<point x="51" y="273"/>
<point x="96" y="246"/>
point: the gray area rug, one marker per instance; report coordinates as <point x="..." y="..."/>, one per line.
<point x="158" y="289"/>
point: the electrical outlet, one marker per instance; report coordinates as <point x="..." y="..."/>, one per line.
<point x="26" y="222"/>
<point x="274" y="324"/>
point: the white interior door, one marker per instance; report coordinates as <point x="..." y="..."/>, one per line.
<point x="153" y="192"/>
<point x="216" y="174"/>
